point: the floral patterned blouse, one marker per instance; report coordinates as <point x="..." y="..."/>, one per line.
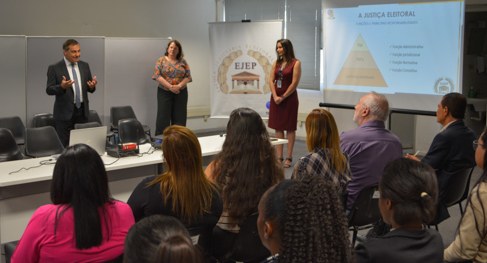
<point x="172" y="73"/>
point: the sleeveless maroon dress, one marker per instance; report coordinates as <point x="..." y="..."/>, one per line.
<point x="284" y="117"/>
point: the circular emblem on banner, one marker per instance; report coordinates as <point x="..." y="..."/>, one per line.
<point x="244" y="78"/>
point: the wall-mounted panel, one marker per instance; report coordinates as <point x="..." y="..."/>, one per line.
<point x="130" y="64"/>
<point x="12" y="76"/>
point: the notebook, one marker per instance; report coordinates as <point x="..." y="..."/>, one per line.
<point x="95" y="137"/>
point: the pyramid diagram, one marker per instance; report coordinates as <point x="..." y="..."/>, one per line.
<point x="360" y="68"/>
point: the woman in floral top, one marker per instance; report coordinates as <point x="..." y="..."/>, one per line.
<point x="172" y="74"/>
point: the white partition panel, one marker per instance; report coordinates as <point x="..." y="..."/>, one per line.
<point x="129" y="67"/>
<point x="12" y="76"/>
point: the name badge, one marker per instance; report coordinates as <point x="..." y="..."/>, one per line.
<point x="279" y="83"/>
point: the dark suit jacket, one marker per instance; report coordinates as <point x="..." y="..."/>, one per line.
<point x="64" y="106"/>
<point x="450" y="152"/>
<point x="402" y="246"/>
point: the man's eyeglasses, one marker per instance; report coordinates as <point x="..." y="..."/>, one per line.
<point x="477" y="143"/>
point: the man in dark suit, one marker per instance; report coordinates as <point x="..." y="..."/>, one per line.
<point x="70" y="81"/>
<point x="451" y="150"/>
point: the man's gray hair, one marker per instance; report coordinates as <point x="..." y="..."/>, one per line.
<point x="378" y="106"/>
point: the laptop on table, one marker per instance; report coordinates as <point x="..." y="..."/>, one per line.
<point x="95" y="137"/>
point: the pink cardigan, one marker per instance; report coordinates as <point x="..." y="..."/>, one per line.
<point x="39" y="243"/>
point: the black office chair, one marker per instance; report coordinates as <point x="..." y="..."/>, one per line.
<point x="16" y="126"/>
<point x="94" y="117"/>
<point x="456" y="191"/>
<point x="131" y="131"/>
<point x="365" y="211"/>
<point x="43" y="119"/>
<point x="9" y="249"/>
<point x="242" y="247"/>
<point x="124" y="112"/>
<point x="9" y="150"/>
<point x="87" y="125"/>
<point x="42" y="141"/>
<point x="458" y="188"/>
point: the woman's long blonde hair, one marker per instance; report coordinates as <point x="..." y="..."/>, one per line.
<point x="322" y="133"/>
<point x="184" y="181"/>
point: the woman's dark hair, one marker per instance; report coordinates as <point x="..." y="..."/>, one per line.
<point x="288" y="50"/>
<point x="180" y="54"/>
<point x="160" y="239"/>
<point x="80" y="182"/>
<point x="247" y="165"/>
<point x="310" y="220"/>
<point x="412" y="188"/>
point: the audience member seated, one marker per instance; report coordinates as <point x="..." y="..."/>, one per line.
<point x="470" y="242"/>
<point x="408" y="195"/>
<point x="304" y="221"/>
<point x="326" y="158"/>
<point x="244" y="169"/>
<point x="451" y="150"/>
<point x="84" y="224"/>
<point x="182" y="191"/>
<point x="160" y="239"/>
<point x="370" y="146"/>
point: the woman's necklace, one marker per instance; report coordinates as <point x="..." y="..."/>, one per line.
<point x="283" y="65"/>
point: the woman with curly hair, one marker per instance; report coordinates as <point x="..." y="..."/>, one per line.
<point x="182" y="191"/>
<point x="408" y="198"/>
<point x="325" y="159"/>
<point x="471" y="241"/>
<point x="304" y="221"/>
<point x="245" y="168"/>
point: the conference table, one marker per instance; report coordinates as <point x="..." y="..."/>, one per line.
<point x="25" y="184"/>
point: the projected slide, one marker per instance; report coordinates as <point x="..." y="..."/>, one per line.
<point x="360" y="68"/>
<point x="394" y="48"/>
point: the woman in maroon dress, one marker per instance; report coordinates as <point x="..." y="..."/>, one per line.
<point x="283" y="111"/>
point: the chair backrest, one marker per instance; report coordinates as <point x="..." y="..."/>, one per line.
<point x="16" y="126"/>
<point x="94" y="117"/>
<point x="365" y="210"/>
<point x="119" y="113"/>
<point x="9" y="250"/>
<point x="247" y="246"/>
<point x="87" y="125"/>
<point x="42" y="141"/>
<point x="130" y="130"/>
<point x="457" y="186"/>
<point x="9" y="150"/>
<point x="43" y="119"/>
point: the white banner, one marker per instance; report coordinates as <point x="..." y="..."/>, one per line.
<point x="241" y="62"/>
